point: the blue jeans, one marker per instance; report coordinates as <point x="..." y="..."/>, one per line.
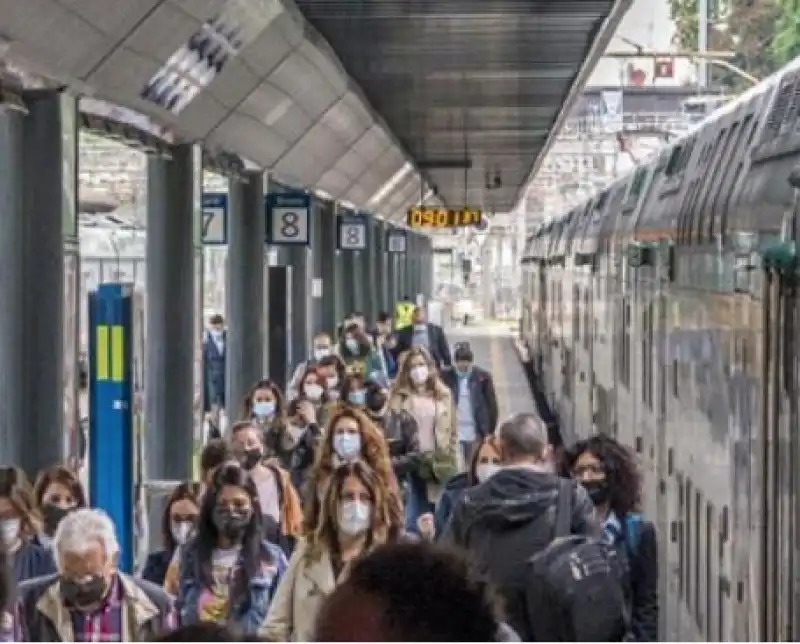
<point x="417" y="502"/>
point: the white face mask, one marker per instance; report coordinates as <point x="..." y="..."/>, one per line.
<point x="321" y="352"/>
<point x="181" y="531"/>
<point x="354" y="518"/>
<point x="313" y="392"/>
<point x="9" y="531"/>
<point x="485" y="471"/>
<point x="419" y="374"/>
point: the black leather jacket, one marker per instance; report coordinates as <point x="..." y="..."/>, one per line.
<point x="402" y="435"/>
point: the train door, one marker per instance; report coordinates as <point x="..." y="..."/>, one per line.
<point x="773" y="589"/>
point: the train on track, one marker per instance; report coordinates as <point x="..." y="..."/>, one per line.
<point x="665" y="311"/>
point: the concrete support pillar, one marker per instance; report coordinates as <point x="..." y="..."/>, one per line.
<point x="299" y="259"/>
<point x="173" y="270"/>
<point x="245" y="288"/>
<point x="411" y="262"/>
<point x="391" y="270"/>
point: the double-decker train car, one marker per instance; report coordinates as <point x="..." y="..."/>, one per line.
<point x="665" y="311"/>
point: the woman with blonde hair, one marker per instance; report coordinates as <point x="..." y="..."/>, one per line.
<point x="420" y="391"/>
<point x="353" y="517"/>
<point x="350" y="436"/>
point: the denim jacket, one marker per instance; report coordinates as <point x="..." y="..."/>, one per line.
<point x="245" y="615"/>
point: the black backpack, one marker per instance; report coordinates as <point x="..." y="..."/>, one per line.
<point x="576" y="586"/>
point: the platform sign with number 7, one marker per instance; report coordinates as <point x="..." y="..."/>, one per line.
<point x="396" y="241"/>
<point x="288" y="219"/>
<point x="215" y="218"/>
<point x="353" y="232"/>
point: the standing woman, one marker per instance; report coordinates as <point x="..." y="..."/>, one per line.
<point x="265" y="406"/>
<point x="352" y="436"/>
<point x="228" y="573"/>
<point x="352" y="518"/>
<point x="56" y="493"/>
<point x="333" y="369"/>
<point x="609" y="472"/>
<point x="419" y="391"/>
<point x="177" y="524"/>
<point x="19" y="525"/>
<point x="358" y="353"/>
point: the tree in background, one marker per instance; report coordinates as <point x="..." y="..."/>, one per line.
<point x="786" y="43"/>
<point x="763" y="34"/>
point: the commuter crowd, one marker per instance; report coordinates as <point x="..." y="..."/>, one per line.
<point x="378" y="497"/>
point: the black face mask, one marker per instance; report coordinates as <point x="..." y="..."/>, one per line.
<point x="251" y="458"/>
<point x="52" y="515"/>
<point x="376" y="400"/>
<point x="598" y="491"/>
<point x="230" y="524"/>
<point x="85" y="593"/>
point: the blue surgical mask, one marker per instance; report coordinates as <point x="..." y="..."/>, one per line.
<point x="351" y="344"/>
<point x="347" y="446"/>
<point x="463" y="373"/>
<point x="264" y="409"/>
<point x="357" y="397"/>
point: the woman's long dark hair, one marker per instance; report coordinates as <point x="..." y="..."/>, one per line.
<point x="208" y="535"/>
<point x="622" y="471"/>
<point x="186" y="491"/>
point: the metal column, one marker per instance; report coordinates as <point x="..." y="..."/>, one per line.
<point x="13" y="356"/>
<point x="246" y="310"/>
<point x="328" y="268"/>
<point x="299" y="258"/>
<point x="173" y="210"/>
<point x="381" y="265"/>
<point x="349" y="284"/>
<point x="318" y="252"/>
<point x="50" y="211"/>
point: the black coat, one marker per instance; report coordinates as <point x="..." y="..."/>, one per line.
<point x="506" y="520"/>
<point x="437" y="343"/>
<point x="482" y="396"/>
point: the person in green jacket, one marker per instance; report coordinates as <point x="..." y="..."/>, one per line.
<point x="358" y="353"/>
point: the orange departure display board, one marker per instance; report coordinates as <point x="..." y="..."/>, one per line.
<point x="425" y="217"/>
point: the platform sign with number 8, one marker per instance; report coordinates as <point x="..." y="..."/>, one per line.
<point x="288" y="218"/>
<point x="396" y="241"/>
<point x="353" y="232"/>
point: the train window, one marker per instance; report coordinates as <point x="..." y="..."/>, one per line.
<point x="688" y="541"/>
<point x="713" y="163"/>
<point x="700" y="559"/>
<point x="673" y="163"/>
<point x="732" y="152"/>
<point x="711" y="597"/>
<point x="681" y="538"/>
<point x="586" y="320"/>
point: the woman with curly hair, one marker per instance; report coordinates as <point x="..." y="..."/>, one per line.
<point x="265" y="406"/>
<point x="354" y="517"/>
<point x="609" y="472"/>
<point x="350" y="436"/>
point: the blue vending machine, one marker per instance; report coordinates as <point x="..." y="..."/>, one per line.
<point x="116" y="390"/>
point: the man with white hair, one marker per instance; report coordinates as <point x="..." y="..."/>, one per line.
<point x="510" y="517"/>
<point x="90" y="600"/>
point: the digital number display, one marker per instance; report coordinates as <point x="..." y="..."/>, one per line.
<point x="421" y="217"/>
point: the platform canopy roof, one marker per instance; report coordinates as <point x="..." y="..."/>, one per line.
<point x="363" y="101"/>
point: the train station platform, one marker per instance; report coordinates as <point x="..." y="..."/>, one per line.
<point x="323" y="136"/>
